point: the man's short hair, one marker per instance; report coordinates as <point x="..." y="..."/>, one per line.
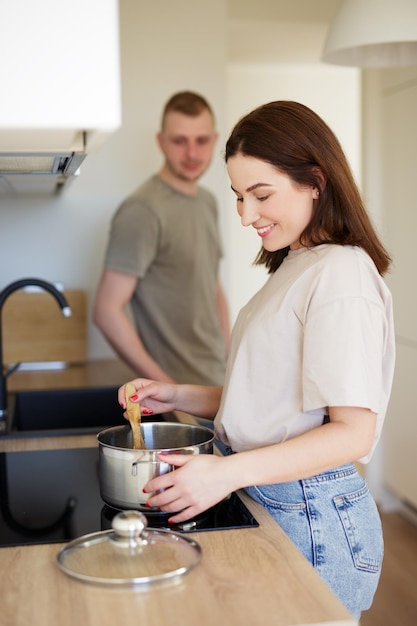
<point x="188" y="103"/>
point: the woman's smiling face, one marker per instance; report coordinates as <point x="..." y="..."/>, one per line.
<point x="270" y="201"/>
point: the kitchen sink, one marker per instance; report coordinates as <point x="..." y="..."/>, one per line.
<point x="67" y="411"/>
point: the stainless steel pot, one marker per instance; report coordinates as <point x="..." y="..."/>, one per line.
<point x="123" y="471"/>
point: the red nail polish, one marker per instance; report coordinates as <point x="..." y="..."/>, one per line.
<point x="134" y="397"/>
<point x="143" y="490"/>
<point x="122" y="404"/>
<point x="147" y="504"/>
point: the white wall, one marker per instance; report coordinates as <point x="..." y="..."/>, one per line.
<point x="166" y="46"/>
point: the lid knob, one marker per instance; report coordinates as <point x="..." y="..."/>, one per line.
<point x="129" y="525"/>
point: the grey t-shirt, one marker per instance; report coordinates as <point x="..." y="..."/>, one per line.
<point x="171" y="242"/>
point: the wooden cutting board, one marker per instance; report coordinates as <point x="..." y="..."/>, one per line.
<point x="34" y="329"/>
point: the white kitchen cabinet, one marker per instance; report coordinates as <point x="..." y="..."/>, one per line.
<point x="61" y="96"/>
<point x="400" y="437"/>
<point x="398" y="182"/>
<point x="60" y="71"/>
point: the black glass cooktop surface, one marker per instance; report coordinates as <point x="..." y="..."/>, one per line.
<point x="51" y="496"/>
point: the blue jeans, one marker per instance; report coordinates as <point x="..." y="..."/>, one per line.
<point x="334" y="522"/>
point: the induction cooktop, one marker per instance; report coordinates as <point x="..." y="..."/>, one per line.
<point x="53" y="496"/>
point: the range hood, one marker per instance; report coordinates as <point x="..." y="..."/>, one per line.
<point x="36" y="170"/>
<point x="60" y="90"/>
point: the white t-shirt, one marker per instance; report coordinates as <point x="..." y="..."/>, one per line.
<point x="319" y="333"/>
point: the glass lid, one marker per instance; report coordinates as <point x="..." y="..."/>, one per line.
<point x="129" y="554"/>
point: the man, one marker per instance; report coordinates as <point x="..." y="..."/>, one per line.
<point x="163" y="258"/>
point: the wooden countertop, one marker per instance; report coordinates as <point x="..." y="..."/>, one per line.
<point x="99" y="373"/>
<point x="247" y="577"/>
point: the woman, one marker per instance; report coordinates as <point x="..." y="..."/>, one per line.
<point x="311" y="359"/>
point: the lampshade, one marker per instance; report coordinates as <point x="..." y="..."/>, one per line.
<point x="373" y="33"/>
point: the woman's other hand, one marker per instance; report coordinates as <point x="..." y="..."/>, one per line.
<point x="198" y="483"/>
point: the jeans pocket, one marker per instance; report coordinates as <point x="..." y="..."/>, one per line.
<point x="269" y="498"/>
<point x="362" y="525"/>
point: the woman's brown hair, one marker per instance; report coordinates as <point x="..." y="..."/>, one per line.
<point x="295" y="140"/>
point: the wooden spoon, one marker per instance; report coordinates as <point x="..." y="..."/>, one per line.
<point x="134" y="416"/>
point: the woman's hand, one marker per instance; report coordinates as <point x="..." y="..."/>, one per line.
<point x="198" y="482"/>
<point x="153" y="396"/>
<point x="161" y="397"/>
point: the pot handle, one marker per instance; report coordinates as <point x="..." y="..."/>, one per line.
<point x="160" y="467"/>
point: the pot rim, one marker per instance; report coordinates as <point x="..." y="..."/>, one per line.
<point x="126" y="427"/>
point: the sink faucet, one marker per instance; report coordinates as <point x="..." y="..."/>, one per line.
<point x="19" y="284"/>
